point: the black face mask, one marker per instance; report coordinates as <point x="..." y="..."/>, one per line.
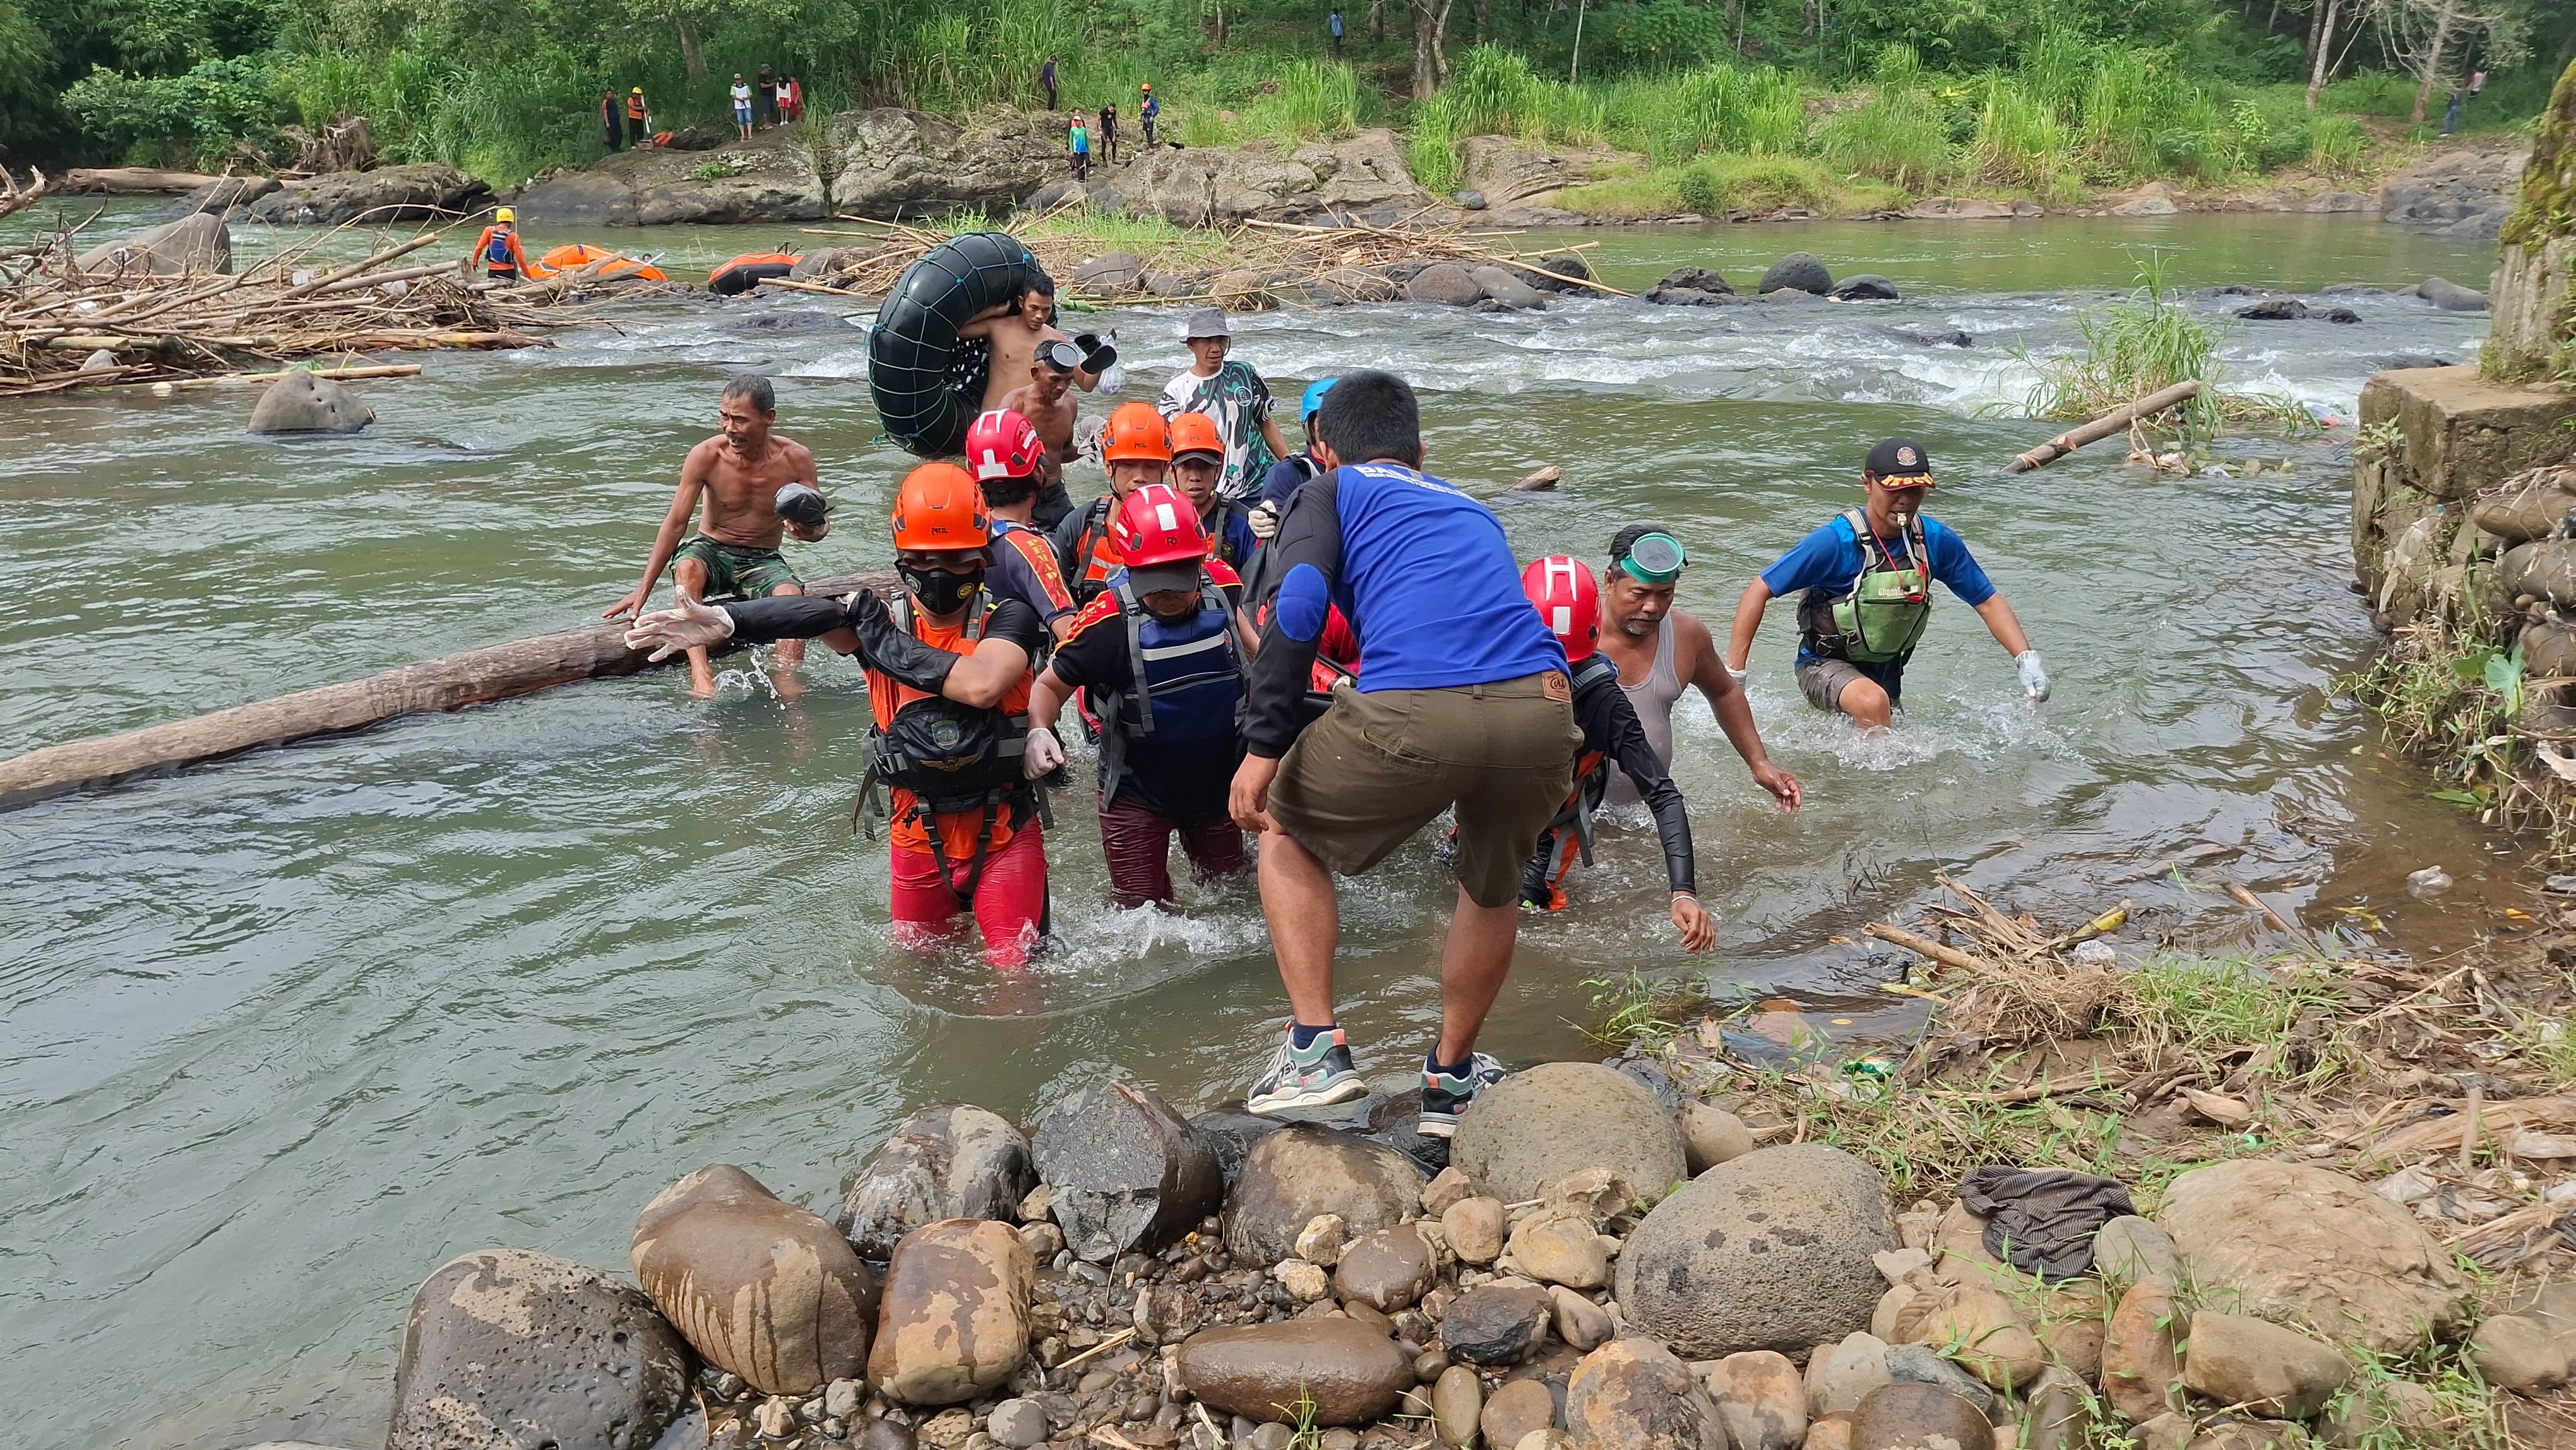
<point x="939" y="591"/>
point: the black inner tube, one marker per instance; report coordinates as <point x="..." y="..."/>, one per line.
<point x="927" y="382"/>
<point x="731" y="281"/>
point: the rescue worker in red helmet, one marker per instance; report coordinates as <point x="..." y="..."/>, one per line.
<point x="1159" y="658"/>
<point x="1135" y="450"/>
<point x="1007" y="457"/>
<point x="948" y="681"/>
<point x="1569" y="599"/>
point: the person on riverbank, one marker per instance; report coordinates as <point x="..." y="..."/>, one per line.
<point x="741" y="108"/>
<point x="791" y="100"/>
<point x="639" y="118"/>
<point x="1109" y="134"/>
<point x="1866" y="579"/>
<point x="1006" y="456"/>
<point x="1046" y="400"/>
<point x="1569" y="600"/>
<point x="1461" y="701"/>
<point x="1078" y="141"/>
<point x="1158" y="658"/>
<point x="1198" y="460"/>
<point x="1660" y="650"/>
<point x="1333" y="27"/>
<point x="612" y="122"/>
<point x="2451" y="113"/>
<point x="503" y="259"/>
<point x="755" y="487"/>
<point x="1148" y="111"/>
<point x="764" y="95"/>
<point x="1135" y="450"/>
<point x="1231" y="392"/>
<point x="948" y="684"/>
<point x="1046" y="81"/>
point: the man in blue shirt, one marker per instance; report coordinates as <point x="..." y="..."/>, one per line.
<point x="1461" y="700"/>
<point x="1866" y="593"/>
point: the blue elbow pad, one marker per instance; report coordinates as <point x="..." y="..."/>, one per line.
<point x="1304" y="602"/>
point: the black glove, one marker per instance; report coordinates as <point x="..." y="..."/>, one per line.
<point x="925" y="667"/>
<point x="802" y="503"/>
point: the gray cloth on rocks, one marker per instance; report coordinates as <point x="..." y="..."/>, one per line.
<point x="2042" y="1220"/>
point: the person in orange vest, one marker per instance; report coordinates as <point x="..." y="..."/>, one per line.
<point x="1136" y="449"/>
<point x="639" y="117"/>
<point x="948" y="682"/>
<point x="498" y="248"/>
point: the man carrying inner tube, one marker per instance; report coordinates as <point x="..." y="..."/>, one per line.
<point x="755" y="486"/>
<point x="1159" y="659"/>
<point x="1017" y="329"/>
<point x="1461" y="700"/>
<point x="1570" y="602"/>
<point x="1198" y="458"/>
<point x="1660" y="649"/>
<point x="1867" y="577"/>
<point x="1046" y="400"/>
<point x="1136" y="449"/>
<point x="948" y="682"/>
<point x="1003" y="452"/>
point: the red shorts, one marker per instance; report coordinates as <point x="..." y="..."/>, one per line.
<point x="1138" y="843"/>
<point x="1010" y="904"/>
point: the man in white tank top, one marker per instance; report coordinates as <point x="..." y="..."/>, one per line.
<point x="1660" y="649"/>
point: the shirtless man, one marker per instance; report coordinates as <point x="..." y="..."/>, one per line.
<point x="1661" y="650"/>
<point x="1016" y="331"/>
<point x="1046" y="400"/>
<point x="744" y="476"/>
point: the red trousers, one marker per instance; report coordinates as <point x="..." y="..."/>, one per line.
<point x="1010" y="898"/>
<point x="1138" y="843"/>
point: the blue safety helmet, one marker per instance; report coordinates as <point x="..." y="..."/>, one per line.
<point x="1315" y="392"/>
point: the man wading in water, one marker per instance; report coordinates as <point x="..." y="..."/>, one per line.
<point x="1868" y="594"/>
<point x="1461" y="700"/>
<point x="1660" y="650"/>
<point x="1046" y="400"/>
<point x="1018" y="332"/>
<point x="1230" y="392"/>
<point x="756" y="486"/>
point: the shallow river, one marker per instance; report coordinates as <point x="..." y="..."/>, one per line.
<point x="285" y="1033"/>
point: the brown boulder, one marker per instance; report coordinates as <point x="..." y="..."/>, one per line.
<point x="2141" y="1366"/>
<point x="955" y="1321"/>
<point x="1296" y="1173"/>
<point x="1632" y="1394"/>
<point x="1910" y="1416"/>
<point x="948" y="1160"/>
<point x="759" y="1287"/>
<point x="1351" y="1373"/>
<point x="2301" y="1245"/>
<point x="1528" y="1132"/>
<point x="1388" y="1270"/>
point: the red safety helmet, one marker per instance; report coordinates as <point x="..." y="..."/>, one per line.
<point x="1003" y="444"/>
<point x="1155" y="525"/>
<point x="938" y="508"/>
<point x="1569" y="600"/>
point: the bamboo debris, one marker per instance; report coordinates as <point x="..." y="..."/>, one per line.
<point x="56" y="319"/>
<point x="2117" y="420"/>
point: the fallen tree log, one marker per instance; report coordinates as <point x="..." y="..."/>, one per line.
<point x="474" y="677"/>
<point x="2115" y="421"/>
<point x="133" y="180"/>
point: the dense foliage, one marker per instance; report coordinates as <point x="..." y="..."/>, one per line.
<point x="1908" y="94"/>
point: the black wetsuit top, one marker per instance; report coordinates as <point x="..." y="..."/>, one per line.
<point x="1610" y="726"/>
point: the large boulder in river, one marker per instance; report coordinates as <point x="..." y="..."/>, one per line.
<point x="2455" y="191"/>
<point x="1332" y="1371"/>
<point x="223" y="196"/>
<point x="1535" y="1127"/>
<point x="303" y="403"/>
<point x="1444" y="282"/>
<point x="388" y="194"/>
<point x="896" y="163"/>
<point x="1864" y="287"/>
<point x="1127" y="1172"/>
<point x="2450" y="296"/>
<point x="1773" y="1250"/>
<point x="194" y="243"/>
<point x="1798" y="272"/>
<point x="759" y="1287"/>
<point x="2300" y="1245"/>
<point x="769" y="178"/>
<point x="949" y="1160"/>
<point x="505" y="1348"/>
<point x="1294" y="1174"/>
<point x="955" y="1321"/>
<point x="1503" y="286"/>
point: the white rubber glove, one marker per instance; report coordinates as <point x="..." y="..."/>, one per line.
<point x="1042" y="753"/>
<point x="2034" y="675"/>
<point x="1264" y="519"/>
<point x="686" y="625"/>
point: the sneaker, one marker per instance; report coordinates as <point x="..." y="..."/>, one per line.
<point x="1445" y="1096"/>
<point x="1311" y="1077"/>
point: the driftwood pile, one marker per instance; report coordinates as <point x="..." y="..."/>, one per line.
<point x="63" y="327"/>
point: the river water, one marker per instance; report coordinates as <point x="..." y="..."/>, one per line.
<point x="285" y="1033"/>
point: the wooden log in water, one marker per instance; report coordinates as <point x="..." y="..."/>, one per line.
<point x="2109" y="423"/>
<point x="133" y="180"/>
<point x="496" y="672"/>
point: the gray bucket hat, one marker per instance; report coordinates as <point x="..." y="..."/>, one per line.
<point x="1205" y="322"/>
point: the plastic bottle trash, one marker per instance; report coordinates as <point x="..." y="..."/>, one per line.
<point x="2563" y="885"/>
<point x="2428" y="881"/>
<point x="2095" y="954"/>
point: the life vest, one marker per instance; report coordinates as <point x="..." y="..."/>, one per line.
<point x="500" y="251"/>
<point x="1591" y="767"/>
<point x="1880" y="615"/>
<point x="635" y="108"/>
<point x="947" y="775"/>
<point x="1227" y="510"/>
<point x="1095" y="556"/>
<point x="1188" y="680"/>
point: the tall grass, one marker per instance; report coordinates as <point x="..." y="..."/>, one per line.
<point x="2021" y="141"/>
<point x="1900" y="135"/>
<point x="2131" y="349"/>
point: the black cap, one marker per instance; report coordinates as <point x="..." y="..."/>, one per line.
<point x="1899" y="458"/>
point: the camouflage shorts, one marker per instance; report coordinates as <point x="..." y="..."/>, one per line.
<point x="735" y="572"/>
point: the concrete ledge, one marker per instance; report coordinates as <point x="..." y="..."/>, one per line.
<point x="2462" y="432"/>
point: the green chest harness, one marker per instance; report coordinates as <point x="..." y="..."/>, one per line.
<point x="1881" y="614"/>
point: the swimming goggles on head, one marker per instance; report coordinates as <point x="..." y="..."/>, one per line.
<point x="1061" y="356"/>
<point x="1654" y="559"/>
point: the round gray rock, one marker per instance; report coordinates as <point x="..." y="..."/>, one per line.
<point x="1298" y="1172"/>
<point x="949" y="1160"/>
<point x="1444" y="282"/>
<point x="505" y="1347"/>
<point x="1127" y="1172"/>
<point x="302" y="403"/>
<point x="1768" y="1251"/>
<point x="1535" y="1127"/>
<point x="1798" y="272"/>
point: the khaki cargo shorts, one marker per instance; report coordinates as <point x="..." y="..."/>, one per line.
<point x="1380" y="765"/>
<point x="1824" y="681"/>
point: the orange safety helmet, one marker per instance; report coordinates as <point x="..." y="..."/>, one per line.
<point x="940" y="509"/>
<point x="1135" y="433"/>
<point x="1195" y="433"/>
